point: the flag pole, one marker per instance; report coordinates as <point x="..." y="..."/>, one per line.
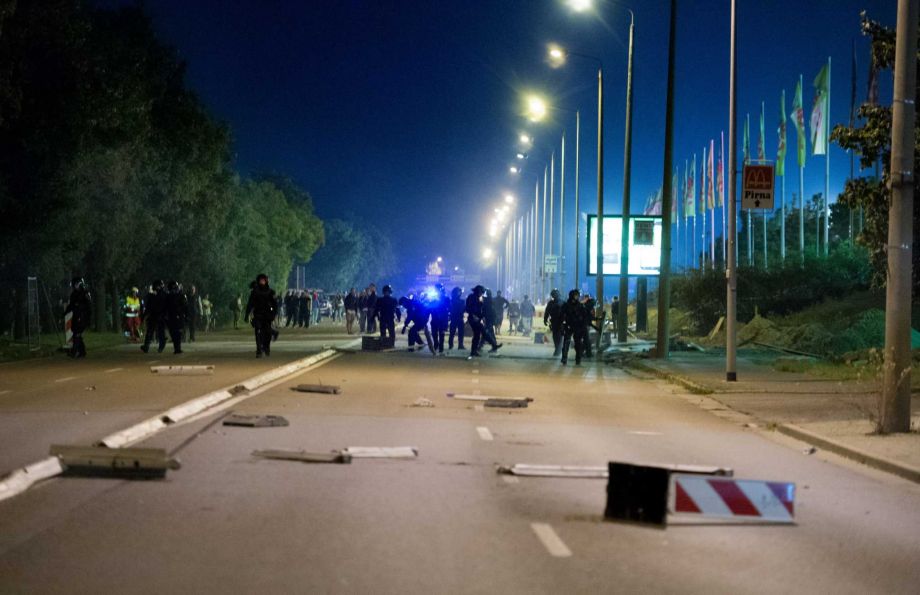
<point x="764" y="141"/>
<point x="703" y="210"/>
<point x="724" y="222"/>
<point x="782" y="191"/>
<point x="801" y="199"/>
<point x="711" y="194"/>
<point x="750" y="235"/>
<point x="827" y="160"/>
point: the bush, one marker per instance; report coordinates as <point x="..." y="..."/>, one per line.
<point x="778" y="291"/>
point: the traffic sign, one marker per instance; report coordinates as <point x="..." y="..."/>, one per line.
<point x="757" y="189"/>
<point x="551" y="263"/>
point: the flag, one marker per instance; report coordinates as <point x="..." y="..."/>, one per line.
<point x="686" y="189"/>
<point x="720" y="179"/>
<point x="674" y="184"/>
<point x="781" y="133"/>
<point x="746" y="146"/>
<point x="691" y="190"/>
<point x="797" y="115"/>
<point x="819" y="113"/>
<point x="710" y="187"/>
<point x="761" y="149"/>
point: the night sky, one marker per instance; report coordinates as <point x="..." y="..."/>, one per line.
<point x="406" y="114"/>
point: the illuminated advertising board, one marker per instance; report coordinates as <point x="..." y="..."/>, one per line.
<point x="644" y="245"/>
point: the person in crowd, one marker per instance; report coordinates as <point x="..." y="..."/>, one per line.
<point x="552" y="318"/>
<point x="614" y="312"/>
<point x="488" y="322"/>
<point x="575" y="326"/>
<point x="589" y="304"/>
<point x="207" y="313"/>
<point x="371" y="305"/>
<point x="132" y="315"/>
<point x="304" y="307"/>
<point x="262" y="309"/>
<point x="194" y="312"/>
<point x="351" y="310"/>
<point x="79" y="307"/>
<point x="177" y="313"/>
<point x="236" y="310"/>
<point x="440" y="316"/>
<point x="290" y="308"/>
<point x="499" y="305"/>
<point x="362" y="311"/>
<point x="457" y="308"/>
<point x="514" y="316"/>
<point x="153" y="314"/>
<point x="387" y="310"/>
<point x="419" y="314"/>
<point x="474" y="317"/>
<point x="528" y="311"/>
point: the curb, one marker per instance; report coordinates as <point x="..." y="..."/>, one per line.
<point x="902" y="470"/>
<point x="20" y="480"/>
<point x="693" y="387"/>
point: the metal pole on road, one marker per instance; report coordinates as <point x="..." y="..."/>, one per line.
<point x="622" y="317"/>
<point x="599" y="257"/>
<point x="731" y="271"/>
<point x="560" y="265"/>
<point x="552" y="192"/>
<point x="577" y="262"/>
<point x="542" y="262"/>
<point x="662" y="346"/>
<point x="895" y="410"/>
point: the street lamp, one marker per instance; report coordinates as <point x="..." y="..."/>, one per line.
<point x="509" y="198"/>
<point x="525" y="139"/>
<point x="514" y="169"/>
<point x="580" y="5"/>
<point x="536" y="108"/>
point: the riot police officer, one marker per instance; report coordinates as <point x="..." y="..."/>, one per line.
<point x="440" y="315"/>
<point x="79" y="306"/>
<point x="474" y="317"/>
<point x="176" y="314"/>
<point x="575" y="320"/>
<point x="457" y="308"/>
<point x="386" y="310"/>
<point x="262" y="306"/>
<point x="153" y="314"/>
<point x="552" y="317"/>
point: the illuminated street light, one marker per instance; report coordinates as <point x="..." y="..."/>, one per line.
<point x="514" y="169"/>
<point x="509" y="198"/>
<point x="525" y="139"/>
<point x="440" y="259"/>
<point x="521" y="156"/>
<point x="536" y="108"/>
<point x="556" y="55"/>
<point x="487" y="253"/>
<point x="580" y="5"/>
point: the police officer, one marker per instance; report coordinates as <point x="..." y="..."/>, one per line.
<point x="552" y="317"/>
<point x="440" y="316"/>
<point x="575" y="319"/>
<point x="499" y="305"/>
<point x="419" y="317"/>
<point x="488" y="322"/>
<point x="262" y="307"/>
<point x="387" y="309"/>
<point x="176" y="314"/>
<point x="80" y="307"/>
<point x="474" y="317"/>
<point x="589" y="304"/>
<point x="153" y="314"/>
<point x="457" y="308"/>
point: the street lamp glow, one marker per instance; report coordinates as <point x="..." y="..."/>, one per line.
<point x="556" y="55"/>
<point x="514" y="169"/>
<point x="579" y="5"/>
<point x="536" y="108"/>
<point x="521" y="156"/>
<point x="492" y="232"/>
<point x="487" y="253"/>
<point x="509" y="198"/>
<point x="525" y="139"/>
<point x="440" y="259"/>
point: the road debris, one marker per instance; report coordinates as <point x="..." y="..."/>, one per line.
<point x="422" y="402"/>
<point x="810" y="450"/>
<point x="464" y="397"/>
<point x="382" y="452"/>
<point x="600" y="472"/>
<point x="182" y="370"/>
<point x="303" y="456"/>
<point x="130" y="463"/>
<point x="93" y="387"/>
<point x="327" y="389"/>
<point x="507" y="403"/>
<point x="255" y="421"/>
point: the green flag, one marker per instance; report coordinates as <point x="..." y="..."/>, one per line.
<point x="819" y="113"/>
<point x="781" y="132"/>
<point x="797" y="115"/>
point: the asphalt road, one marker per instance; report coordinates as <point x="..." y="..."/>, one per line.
<point x="447" y="522"/>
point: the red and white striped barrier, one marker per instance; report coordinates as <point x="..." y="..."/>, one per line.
<point x="68" y="330"/>
<point x="738" y="499"/>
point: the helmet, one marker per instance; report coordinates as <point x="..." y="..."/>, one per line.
<point x="387" y="290"/>
<point x="172" y="286"/>
<point x="456" y="292"/>
<point x="77" y="283"/>
<point x="573" y="294"/>
<point x="554" y="294"/>
<point x="479" y="290"/>
<point x="134" y="290"/>
<point x="158" y="285"/>
<point x="261" y="276"/>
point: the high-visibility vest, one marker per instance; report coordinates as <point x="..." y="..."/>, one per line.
<point x="132" y="306"/>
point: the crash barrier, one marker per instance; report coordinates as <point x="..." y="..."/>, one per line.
<point x="124" y="463"/>
<point x="647" y="494"/>
<point x="182" y="370"/>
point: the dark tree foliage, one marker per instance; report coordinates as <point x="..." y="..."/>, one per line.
<point x="353" y="256"/>
<point x="112" y="168"/>
<point x="872" y="143"/>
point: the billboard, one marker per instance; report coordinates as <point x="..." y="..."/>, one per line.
<point x="644" y="245"/>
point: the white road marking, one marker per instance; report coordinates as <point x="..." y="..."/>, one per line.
<point x="510" y="479"/>
<point x="550" y="540"/>
<point x="643" y="433"/>
<point x="114" y="370"/>
<point x="484" y="433"/>
<point x="475" y="371"/>
<point x="474" y="380"/>
<point x="66" y="378"/>
<point x="479" y="407"/>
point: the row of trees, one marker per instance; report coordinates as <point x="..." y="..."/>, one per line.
<point x="112" y="168"/>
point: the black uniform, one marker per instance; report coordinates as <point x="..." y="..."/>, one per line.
<point x="153" y="314"/>
<point x="474" y="317"/>
<point x="440" y="316"/>
<point x="457" y="307"/>
<point x="387" y="309"/>
<point x="589" y="306"/>
<point x="418" y="315"/>
<point x="575" y="320"/>
<point x="499" y="303"/>
<point x="488" y="323"/>
<point x="80" y="306"/>
<point x="371" y="305"/>
<point x="553" y="316"/>
<point x="261" y="306"/>
<point x="176" y="316"/>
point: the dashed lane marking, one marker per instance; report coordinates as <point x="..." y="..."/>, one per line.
<point x="510" y="479"/>
<point x="644" y="433"/>
<point x="484" y="433"/>
<point x="111" y="370"/>
<point x="66" y="378"/>
<point x="551" y="541"/>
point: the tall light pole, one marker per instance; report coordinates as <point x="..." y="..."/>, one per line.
<point x="662" y="346"/>
<point x="731" y="314"/>
<point x="577" y="262"/>
<point x="622" y="315"/>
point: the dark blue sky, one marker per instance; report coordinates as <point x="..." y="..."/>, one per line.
<point x="406" y="113"/>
